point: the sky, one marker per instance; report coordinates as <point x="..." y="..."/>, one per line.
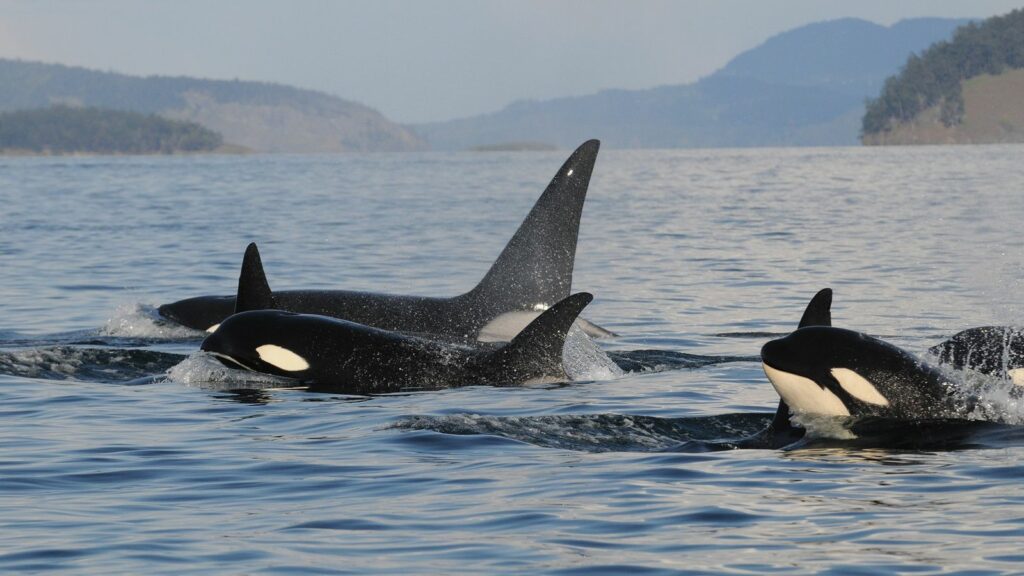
<point x="422" y="61"/>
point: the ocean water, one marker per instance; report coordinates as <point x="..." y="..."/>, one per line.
<point x="121" y="451"/>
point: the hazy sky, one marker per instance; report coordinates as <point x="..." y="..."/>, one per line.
<point x="418" y="60"/>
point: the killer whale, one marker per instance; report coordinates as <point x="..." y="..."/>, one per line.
<point x="829" y="371"/>
<point x="333" y="355"/>
<point x="996" y="350"/>
<point x="780" y="431"/>
<point x="532" y="272"/>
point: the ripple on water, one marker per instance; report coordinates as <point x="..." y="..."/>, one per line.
<point x="698" y="255"/>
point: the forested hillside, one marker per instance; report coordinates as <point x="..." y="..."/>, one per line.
<point x="936" y="78"/>
<point x="67" y="130"/>
<point x="261" y="116"/>
<point x="804" y="87"/>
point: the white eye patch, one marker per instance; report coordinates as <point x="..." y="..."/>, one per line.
<point x="282" y="358"/>
<point x="804" y="395"/>
<point x="859" y="387"/>
<point x="213" y="328"/>
<point x="1016" y="376"/>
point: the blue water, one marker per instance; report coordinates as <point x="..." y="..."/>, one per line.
<point x="121" y="453"/>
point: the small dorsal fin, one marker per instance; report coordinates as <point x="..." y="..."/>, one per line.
<point x="817" y="313"/>
<point x="537" y="349"/>
<point x="819" y="310"/>
<point x="253" y="290"/>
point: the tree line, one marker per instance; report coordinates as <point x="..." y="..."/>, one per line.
<point x="67" y="130"/>
<point x="936" y="76"/>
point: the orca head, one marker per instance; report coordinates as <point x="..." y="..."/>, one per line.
<point x="835" y="372"/>
<point x="269" y="341"/>
<point x="199" y="313"/>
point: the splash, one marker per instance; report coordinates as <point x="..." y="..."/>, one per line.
<point x="203" y="370"/>
<point x="143" y="321"/>
<point x="820" y="427"/>
<point x="992" y="399"/>
<point x="583" y="360"/>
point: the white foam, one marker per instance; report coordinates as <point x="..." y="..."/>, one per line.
<point x="141" y="321"/>
<point x="992" y="399"/>
<point x="819" y="426"/>
<point x="203" y="370"/>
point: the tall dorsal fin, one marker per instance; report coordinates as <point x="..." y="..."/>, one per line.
<point x="536" y="265"/>
<point x="253" y="290"/>
<point x="537" y="349"/>
<point x="817" y="313"/>
<point x="819" y="310"/>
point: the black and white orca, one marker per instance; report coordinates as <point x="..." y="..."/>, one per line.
<point x="781" y="432"/>
<point x="334" y="355"/>
<point x="821" y="370"/>
<point x="996" y="350"/>
<point x="533" y="272"/>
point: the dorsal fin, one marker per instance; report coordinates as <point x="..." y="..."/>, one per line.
<point x="817" y="313"/>
<point x="253" y="290"/>
<point x="819" y="310"/>
<point x="535" y="268"/>
<point x="537" y="349"/>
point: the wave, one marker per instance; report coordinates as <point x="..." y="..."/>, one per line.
<point x="650" y="360"/>
<point x="601" y="432"/>
<point x="620" y="433"/>
<point x="203" y="370"/>
<point x="115" y="365"/>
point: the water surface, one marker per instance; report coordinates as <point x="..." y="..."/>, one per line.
<point x="108" y="466"/>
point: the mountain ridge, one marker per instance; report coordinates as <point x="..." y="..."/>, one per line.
<point x="263" y="116"/>
<point x="745" y="103"/>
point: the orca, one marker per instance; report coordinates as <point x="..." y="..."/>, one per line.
<point x="533" y="272"/>
<point x="781" y="432"/>
<point x="995" y="350"/>
<point x="333" y="355"/>
<point x="827" y="371"/>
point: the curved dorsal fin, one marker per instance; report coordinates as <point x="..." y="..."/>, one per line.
<point x="819" y="310"/>
<point x="253" y="290"/>
<point x="536" y="265"/>
<point x="537" y="349"/>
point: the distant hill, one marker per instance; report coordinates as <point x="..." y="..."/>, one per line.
<point x="261" y="116"/>
<point x="66" y="130"/>
<point x="992" y="113"/>
<point x="967" y="90"/>
<point x="803" y="87"/>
